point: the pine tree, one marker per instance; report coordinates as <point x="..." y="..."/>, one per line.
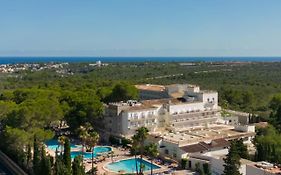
<point x="232" y="161"/>
<point x="272" y="153"/>
<point x="206" y="169"/>
<point x="77" y="166"/>
<point x="198" y="169"/>
<point x="28" y="156"/>
<point x="260" y="153"/>
<point x="242" y="149"/>
<point x="66" y="156"/>
<point x="45" y="164"/>
<point x="48" y="165"/>
<point x="59" y="168"/>
<point x="36" y="156"/>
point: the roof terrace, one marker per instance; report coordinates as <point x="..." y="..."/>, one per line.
<point x="150" y="87"/>
<point x="197" y="135"/>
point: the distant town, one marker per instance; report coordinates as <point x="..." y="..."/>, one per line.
<point x="61" y="68"/>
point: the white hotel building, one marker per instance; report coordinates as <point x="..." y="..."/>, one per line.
<point x="185" y="122"/>
<point x="190" y="109"/>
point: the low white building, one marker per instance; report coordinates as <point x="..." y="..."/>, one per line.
<point x="215" y="160"/>
<point x="179" y="145"/>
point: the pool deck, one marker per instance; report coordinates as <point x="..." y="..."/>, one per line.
<point x="108" y="172"/>
<point x="119" y="154"/>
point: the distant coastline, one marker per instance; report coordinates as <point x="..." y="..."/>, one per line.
<point x="70" y="59"/>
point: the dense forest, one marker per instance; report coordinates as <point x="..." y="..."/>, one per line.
<point x="33" y="102"/>
<point x="242" y="86"/>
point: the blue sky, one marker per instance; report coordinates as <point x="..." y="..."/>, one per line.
<point x="140" y="27"/>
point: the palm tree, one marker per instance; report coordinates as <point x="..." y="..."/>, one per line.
<point x="93" y="171"/>
<point x="112" y="155"/>
<point x="152" y="151"/>
<point x="88" y="126"/>
<point x="134" y="149"/>
<point x="61" y="141"/>
<point x="83" y="134"/>
<point x="141" y="135"/>
<point x="92" y="141"/>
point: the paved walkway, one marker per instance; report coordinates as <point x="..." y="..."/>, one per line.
<point x="119" y="154"/>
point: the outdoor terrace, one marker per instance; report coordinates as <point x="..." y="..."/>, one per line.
<point x="196" y="135"/>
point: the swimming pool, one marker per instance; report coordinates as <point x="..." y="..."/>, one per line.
<point x="129" y="165"/>
<point x="54" y="144"/>
<point x="88" y="155"/>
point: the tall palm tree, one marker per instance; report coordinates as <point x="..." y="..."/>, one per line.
<point x="88" y="126"/>
<point x="152" y="151"/>
<point x="141" y="135"/>
<point x="134" y="149"/>
<point x="83" y="135"/>
<point x="92" y="141"/>
<point x="61" y="141"/>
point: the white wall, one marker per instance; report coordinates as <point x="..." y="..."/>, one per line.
<point x="194" y="161"/>
<point x="184" y="107"/>
<point x="211" y="97"/>
<point x="173" y="150"/>
<point x="193" y="89"/>
<point x="232" y="120"/>
<point x="124" y="118"/>
<point x="245" y="128"/>
<point x="141" y="113"/>
<point x="139" y="116"/>
<point x="217" y="167"/>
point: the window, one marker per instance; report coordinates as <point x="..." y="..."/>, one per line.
<point x="166" y="151"/>
<point x="189" y="164"/>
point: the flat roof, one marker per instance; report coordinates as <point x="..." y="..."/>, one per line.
<point x="160" y="101"/>
<point x="171" y="101"/>
<point x="203" y="146"/>
<point x="150" y="87"/>
<point x="206" y="135"/>
<point x="139" y="107"/>
<point x="149" y="104"/>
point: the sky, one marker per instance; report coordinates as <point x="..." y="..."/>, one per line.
<point x="140" y="28"/>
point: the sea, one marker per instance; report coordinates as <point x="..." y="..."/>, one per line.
<point x="70" y="59"/>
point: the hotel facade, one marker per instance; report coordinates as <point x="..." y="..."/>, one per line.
<point x="184" y="122"/>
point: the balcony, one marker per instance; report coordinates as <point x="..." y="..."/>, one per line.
<point x="193" y="122"/>
<point x="142" y="118"/>
<point x="193" y="115"/>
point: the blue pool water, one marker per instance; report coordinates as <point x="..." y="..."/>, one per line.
<point x="88" y="155"/>
<point x="54" y="144"/>
<point x="129" y="165"/>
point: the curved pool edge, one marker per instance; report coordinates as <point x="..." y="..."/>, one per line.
<point x="78" y="148"/>
<point x="104" y="166"/>
<point x="122" y="159"/>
